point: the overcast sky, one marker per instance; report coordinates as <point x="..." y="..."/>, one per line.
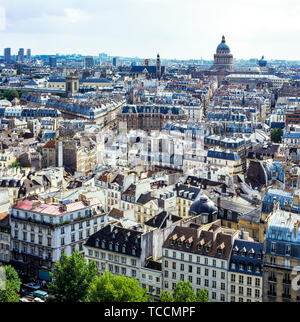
<point x="181" y="29"/>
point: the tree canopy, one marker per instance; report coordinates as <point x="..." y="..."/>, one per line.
<point x="184" y="292"/>
<point x="12" y="285"/>
<point x="276" y="135"/>
<point x="71" y="278"/>
<point x="10" y="94"/>
<point x="116" y="288"/>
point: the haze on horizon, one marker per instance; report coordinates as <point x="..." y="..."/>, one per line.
<point x="176" y="29"/>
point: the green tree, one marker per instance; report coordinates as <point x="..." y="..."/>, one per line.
<point x="116" y="288"/>
<point x="10" y="94"/>
<point x="71" y="278"/>
<point x="12" y="285"/>
<point x="15" y="165"/>
<point x="184" y="292"/>
<point x="276" y="135"/>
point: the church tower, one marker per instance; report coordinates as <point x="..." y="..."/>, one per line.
<point x="158" y="67"/>
<point x="223" y="59"/>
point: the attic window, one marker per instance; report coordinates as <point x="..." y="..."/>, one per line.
<point x="171" y="242"/>
<point x="187" y="245"/>
<point x="133" y="251"/>
<point x="124" y="249"/>
<point x="103" y="244"/>
<point x="97" y="242"/>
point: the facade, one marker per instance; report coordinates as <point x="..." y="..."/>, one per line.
<point x="200" y="255"/>
<point x="7" y="55"/>
<point x="281" y="261"/>
<point x="4" y="238"/>
<point x="223" y="59"/>
<point x="147" y="71"/>
<point x="149" y="117"/>
<point x="245" y="276"/>
<point x="41" y="232"/>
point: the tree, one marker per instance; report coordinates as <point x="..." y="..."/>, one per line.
<point x="276" y="135"/>
<point x="184" y="292"/>
<point x="12" y="285"/>
<point x="71" y="278"/>
<point x="116" y="288"/>
<point x="10" y="94"/>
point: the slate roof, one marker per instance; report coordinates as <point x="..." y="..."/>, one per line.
<point x="223" y="155"/>
<point x="241" y="254"/>
<point x="204" y="245"/>
<point x="117" y="236"/>
<point x="160" y="220"/>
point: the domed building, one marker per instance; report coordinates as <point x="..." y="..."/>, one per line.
<point x="204" y="207"/>
<point x="262" y="62"/>
<point x="223" y="59"/>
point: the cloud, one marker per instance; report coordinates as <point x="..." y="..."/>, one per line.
<point x="73" y="15"/>
<point x="2" y="18"/>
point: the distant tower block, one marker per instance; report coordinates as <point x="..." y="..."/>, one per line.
<point x="72" y="84"/>
<point x="60" y="154"/>
<point x="158" y="67"/>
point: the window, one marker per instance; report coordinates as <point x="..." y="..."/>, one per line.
<point x="257" y="282"/>
<point x="206" y="283"/>
<point x="214" y="262"/>
<point x="232" y="289"/>
<point x="273" y="247"/>
<point x="133" y="273"/>
<point x="214" y="295"/>
<point x="241" y="279"/>
<point x="198" y="281"/>
<point x="214" y="273"/>
<point x="174" y="265"/>
<point x="241" y="290"/>
<point x="206" y="261"/>
<point x="249" y="280"/>
<point x="166" y="263"/>
<point x="174" y="254"/>
<point x="257" y="293"/>
<point x="62" y="241"/>
<point x="222" y="298"/>
<point x="223" y="286"/>
<point x="191" y="279"/>
<point x="190" y="268"/>
<point x="182" y="277"/>
<point x="198" y="270"/>
<point x="222" y="275"/>
<point x="214" y="284"/>
<point x="182" y="267"/>
<point x="288" y="250"/>
<point x="249" y="291"/>
<point x="174" y="276"/>
<point x="166" y="252"/>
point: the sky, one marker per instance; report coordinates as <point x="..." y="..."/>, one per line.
<point x="177" y="29"/>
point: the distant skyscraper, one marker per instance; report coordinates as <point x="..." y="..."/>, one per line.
<point x="115" y="61"/>
<point x="88" y="62"/>
<point x="21" y="54"/>
<point x="52" y="61"/>
<point x="28" y="54"/>
<point x="7" y="55"/>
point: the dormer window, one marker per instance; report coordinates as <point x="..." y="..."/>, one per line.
<point x="117" y="247"/>
<point x="123" y="249"/>
<point x="187" y="245"/>
<point x="110" y="245"/>
<point x="171" y="242"/>
<point x="249" y="267"/>
<point x="97" y="242"/>
<point x="103" y="244"/>
<point x="257" y="269"/>
<point x="133" y="251"/>
<point x="241" y="266"/>
<point x="233" y="265"/>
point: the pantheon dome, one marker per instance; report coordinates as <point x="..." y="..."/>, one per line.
<point x="223" y="59"/>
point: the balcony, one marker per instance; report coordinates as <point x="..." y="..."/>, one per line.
<point x="286" y="296"/>
<point x="284" y="281"/>
<point x="272" y="294"/>
<point x="272" y="279"/>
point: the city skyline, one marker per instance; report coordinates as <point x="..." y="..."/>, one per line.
<point x="178" y="32"/>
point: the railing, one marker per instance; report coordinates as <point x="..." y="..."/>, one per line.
<point x="284" y="281"/>
<point x="272" y="279"/>
<point x="286" y="296"/>
<point x="272" y="294"/>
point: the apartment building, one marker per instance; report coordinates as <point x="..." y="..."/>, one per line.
<point x="185" y="196"/>
<point x="281" y="260"/>
<point x="199" y="254"/>
<point x="245" y="276"/>
<point x="41" y="232"/>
